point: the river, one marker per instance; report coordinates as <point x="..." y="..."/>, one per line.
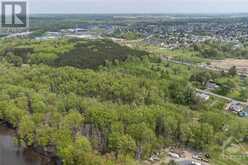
<point x="12" y="154"/>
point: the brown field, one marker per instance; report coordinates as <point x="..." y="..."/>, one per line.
<point x="241" y="64"/>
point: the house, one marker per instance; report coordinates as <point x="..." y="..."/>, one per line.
<point x="235" y="107"/>
<point x="212" y="85"/>
<point x="244" y="112"/>
<point x="203" y="96"/>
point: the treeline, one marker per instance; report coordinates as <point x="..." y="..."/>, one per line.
<point x="53" y="22"/>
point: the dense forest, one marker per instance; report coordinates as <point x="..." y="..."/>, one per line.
<point x="98" y="103"/>
<point x="66" y="52"/>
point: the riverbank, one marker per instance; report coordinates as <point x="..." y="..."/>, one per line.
<point x="13" y="154"/>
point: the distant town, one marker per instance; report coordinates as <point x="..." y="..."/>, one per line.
<point x="166" y="31"/>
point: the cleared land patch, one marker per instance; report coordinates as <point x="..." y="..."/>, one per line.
<point x="241" y="64"/>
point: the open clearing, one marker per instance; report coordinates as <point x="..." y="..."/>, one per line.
<point x="241" y="64"/>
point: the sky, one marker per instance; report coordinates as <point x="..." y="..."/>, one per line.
<point x="138" y="6"/>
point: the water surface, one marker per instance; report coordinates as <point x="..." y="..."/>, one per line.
<point x="12" y="154"/>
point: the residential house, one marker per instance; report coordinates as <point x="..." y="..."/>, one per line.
<point x="203" y="96"/>
<point x="236" y="107"/>
<point x="212" y="85"/>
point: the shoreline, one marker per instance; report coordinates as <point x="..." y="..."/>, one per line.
<point x="36" y="153"/>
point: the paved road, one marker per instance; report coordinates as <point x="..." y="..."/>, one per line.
<point x="164" y="58"/>
<point x="220" y="96"/>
